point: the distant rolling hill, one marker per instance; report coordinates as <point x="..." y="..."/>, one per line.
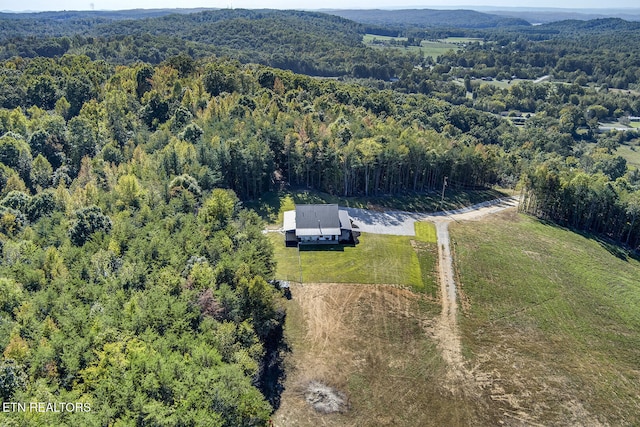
<point x="305" y="42"/>
<point x="546" y="15"/>
<point x="429" y="18"/>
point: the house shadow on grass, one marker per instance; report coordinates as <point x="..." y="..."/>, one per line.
<point x="326" y="248"/>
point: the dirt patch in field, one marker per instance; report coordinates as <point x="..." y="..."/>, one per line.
<point x="325" y="399"/>
<point x="374" y="344"/>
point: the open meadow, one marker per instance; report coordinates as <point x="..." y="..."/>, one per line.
<point x="551" y="318"/>
<point x="631" y="153"/>
<point x="373" y="343"/>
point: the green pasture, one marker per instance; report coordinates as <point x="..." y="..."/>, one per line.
<point x="631" y="153"/>
<point x="376" y="259"/>
<point x="435" y="49"/>
<point x="426" y="48"/>
<point x="556" y="311"/>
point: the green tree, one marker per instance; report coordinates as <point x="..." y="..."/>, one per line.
<point x="82" y="140"/>
<point x="88" y="221"/>
<point x="129" y="192"/>
<point x="41" y="172"/>
<point x="218" y="209"/>
<point x="12" y="378"/>
<point x="15" y="153"/>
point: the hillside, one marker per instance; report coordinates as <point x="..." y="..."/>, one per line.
<point x="306" y="42"/>
<point x="550" y="321"/>
<point x="546" y="15"/>
<point x="133" y="279"/>
<point x="429" y="18"/>
<point x="548" y="337"/>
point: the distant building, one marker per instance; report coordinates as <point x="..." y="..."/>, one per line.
<point x="317" y="224"/>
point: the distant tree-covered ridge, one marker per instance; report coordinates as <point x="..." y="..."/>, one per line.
<point x="429" y="18"/>
<point x="304" y="42"/>
<point x="325" y="45"/>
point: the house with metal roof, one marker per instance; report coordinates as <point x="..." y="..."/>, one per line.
<point x="317" y="224"/>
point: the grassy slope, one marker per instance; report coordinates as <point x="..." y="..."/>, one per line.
<point x="554" y="317"/>
<point x="631" y="153"/>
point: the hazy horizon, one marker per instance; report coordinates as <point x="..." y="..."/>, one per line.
<point x="27" y="6"/>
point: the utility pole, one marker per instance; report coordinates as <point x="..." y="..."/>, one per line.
<point x="444" y="185"/>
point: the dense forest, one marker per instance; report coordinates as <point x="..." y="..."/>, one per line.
<point x="131" y="277"/>
<point x="429" y="18"/>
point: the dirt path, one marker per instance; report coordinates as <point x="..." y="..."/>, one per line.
<point x="446" y="328"/>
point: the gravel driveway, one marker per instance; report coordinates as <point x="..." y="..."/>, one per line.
<point x="401" y="223"/>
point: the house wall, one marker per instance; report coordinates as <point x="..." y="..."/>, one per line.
<point x="319" y="239"/>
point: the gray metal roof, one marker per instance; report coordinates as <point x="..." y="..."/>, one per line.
<point x="317" y="217"/>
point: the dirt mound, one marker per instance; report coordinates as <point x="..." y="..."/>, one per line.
<point x="325" y="399"/>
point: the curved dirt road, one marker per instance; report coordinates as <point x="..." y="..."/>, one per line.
<point x="401" y="223"/>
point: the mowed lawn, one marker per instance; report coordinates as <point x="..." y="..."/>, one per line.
<point x="376" y="259"/>
<point x="554" y="317"/>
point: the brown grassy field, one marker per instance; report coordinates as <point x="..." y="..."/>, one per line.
<point x="552" y="319"/>
<point x="374" y="343"/>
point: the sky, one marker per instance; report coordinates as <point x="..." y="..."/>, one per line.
<point x="42" y="5"/>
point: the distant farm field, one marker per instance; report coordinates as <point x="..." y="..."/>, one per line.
<point x="372" y="38"/>
<point x="426" y="48"/>
<point x="435" y="49"/>
<point x="554" y="317"/>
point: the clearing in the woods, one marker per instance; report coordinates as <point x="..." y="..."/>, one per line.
<point x="527" y="326"/>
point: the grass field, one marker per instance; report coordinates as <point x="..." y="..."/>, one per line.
<point x="435" y="49"/>
<point x="372" y="343"/>
<point x="376" y="259"/>
<point x="629" y="151"/>
<point x="427" y="48"/>
<point x="554" y="317"/>
<point x="631" y="154"/>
